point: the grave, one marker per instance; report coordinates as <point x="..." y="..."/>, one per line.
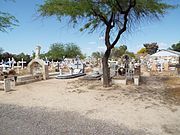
<point x="8" y="84"/>
<point x="127" y="70"/>
<point x="76" y="69"/>
<point x="37" y="67"/>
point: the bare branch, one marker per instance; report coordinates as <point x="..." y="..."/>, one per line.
<point x="132" y="4"/>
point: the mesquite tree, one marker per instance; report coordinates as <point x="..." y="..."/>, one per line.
<point x="7" y="21"/>
<point x="112" y="16"/>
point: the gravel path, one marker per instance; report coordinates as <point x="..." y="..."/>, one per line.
<point x="16" y="120"/>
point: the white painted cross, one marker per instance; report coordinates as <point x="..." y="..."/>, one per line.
<point x="22" y="62"/>
<point x="9" y="62"/>
<point x="2" y="62"/>
<point x="13" y="62"/>
<point x="4" y="67"/>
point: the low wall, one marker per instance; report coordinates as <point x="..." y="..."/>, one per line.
<point x="30" y="78"/>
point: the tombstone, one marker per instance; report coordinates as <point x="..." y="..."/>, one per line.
<point x="71" y="71"/>
<point x="154" y="67"/>
<point x="166" y="66"/>
<point x="136" y="80"/>
<point x="52" y="64"/>
<point x="46" y="61"/>
<point x="60" y="71"/>
<point x="37" y="52"/>
<point x="18" y="67"/>
<point x="9" y="83"/>
<point x="38" y="67"/>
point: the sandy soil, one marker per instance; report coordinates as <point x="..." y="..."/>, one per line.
<point x="153" y="107"/>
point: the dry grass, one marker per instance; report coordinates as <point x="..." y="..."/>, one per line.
<point x="173" y="81"/>
<point x="166" y="90"/>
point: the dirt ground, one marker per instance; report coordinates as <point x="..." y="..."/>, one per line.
<point x="153" y="107"/>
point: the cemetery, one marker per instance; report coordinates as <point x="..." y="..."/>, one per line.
<point x="132" y="93"/>
<point x="89" y="67"/>
<point x="125" y="71"/>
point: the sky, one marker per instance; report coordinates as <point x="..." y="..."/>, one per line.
<point x="34" y="30"/>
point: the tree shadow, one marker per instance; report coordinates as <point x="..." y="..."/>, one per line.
<point x="42" y="121"/>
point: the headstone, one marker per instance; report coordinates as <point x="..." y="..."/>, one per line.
<point x="7" y="84"/>
<point x="154" y="67"/>
<point x="136" y="80"/>
<point x="60" y="71"/>
<point x="52" y="64"/>
<point x="71" y="71"/>
<point x="119" y="81"/>
<point x="18" y="67"/>
<point x="166" y="66"/>
<point x="45" y="72"/>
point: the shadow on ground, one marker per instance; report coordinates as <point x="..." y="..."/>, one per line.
<point x="16" y="120"/>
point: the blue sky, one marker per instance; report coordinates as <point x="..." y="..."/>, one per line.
<point x="34" y="30"/>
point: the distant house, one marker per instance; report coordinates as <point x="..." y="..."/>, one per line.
<point x="166" y="53"/>
<point x="170" y="56"/>
<point x="161" y="60"/>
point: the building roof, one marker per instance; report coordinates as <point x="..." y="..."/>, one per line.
<point x="164" y="52"/>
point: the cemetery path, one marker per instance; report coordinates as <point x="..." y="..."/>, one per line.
<point x="80" y="107"/>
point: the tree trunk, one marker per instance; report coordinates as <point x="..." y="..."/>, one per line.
<point x="106" y="70"/>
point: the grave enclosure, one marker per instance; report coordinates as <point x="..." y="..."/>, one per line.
<point x="126" y="70"/>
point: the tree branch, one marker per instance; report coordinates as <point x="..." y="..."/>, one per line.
<point x="132" y="4"/>
<point x="120" y="7"/>
<point x="100" y="16"/>
<point x="108" y="30"/>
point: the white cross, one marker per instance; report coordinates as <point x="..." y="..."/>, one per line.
<point x="22" y="63"/>
<point x="13" y="62"/>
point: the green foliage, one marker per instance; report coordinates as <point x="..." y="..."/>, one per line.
<point x="97" y="13"/>
<point x="72" y="50"/>
<point x="25" y="57"/>
<point x="175" y="47"/>
<point x="97" y="55"/>
<point x="6" y="56"/>
<point x="56" y="51"/>
<point x="131" y="54"/>
<point x="1" y="50"/>
<point x="119" y="52"/>
<point x="151" y="48"/>
<point x="7" y="21"/>
<point x="17" y="57"/>
<point x="59" y="50"/>
<point x="122" y="49"/>
<point x="142" y="51"/>
<point x="115" y="53"/>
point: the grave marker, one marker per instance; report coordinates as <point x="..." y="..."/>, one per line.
<point x="22" y="62"/>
